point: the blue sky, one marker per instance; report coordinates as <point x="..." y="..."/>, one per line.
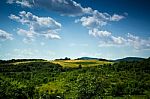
<point x="52" y="29"/>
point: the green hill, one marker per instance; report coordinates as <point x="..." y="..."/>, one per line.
<point x="130" y="59"/>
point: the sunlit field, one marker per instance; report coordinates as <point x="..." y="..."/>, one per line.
<point x="83" y="63"/>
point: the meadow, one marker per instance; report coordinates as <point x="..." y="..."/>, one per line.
<point x="83" y="63"/>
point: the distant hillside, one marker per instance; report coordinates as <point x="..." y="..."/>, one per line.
<point x="130" y="59"/>
<point x="117" y="60"/>
<point x="87" y="58"/>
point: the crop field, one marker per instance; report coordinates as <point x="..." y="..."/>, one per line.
<point x="83" y="63"/>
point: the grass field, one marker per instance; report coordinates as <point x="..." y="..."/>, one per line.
<point x="83" y="63"/>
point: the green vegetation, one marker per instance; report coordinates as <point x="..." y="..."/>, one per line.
<point x="79" y="80"/>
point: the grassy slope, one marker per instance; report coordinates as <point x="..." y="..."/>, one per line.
<point x="83" y="63"/>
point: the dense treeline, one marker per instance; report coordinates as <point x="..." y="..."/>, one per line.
<point x="19" y="60"/>
<point x="50" y="81"/>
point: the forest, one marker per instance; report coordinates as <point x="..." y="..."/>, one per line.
<point x="41" y="79"/>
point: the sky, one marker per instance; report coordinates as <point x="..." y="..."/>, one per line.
<point x="51" y="29"/>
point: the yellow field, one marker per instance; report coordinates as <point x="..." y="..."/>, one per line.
<point x="83" y="63"/>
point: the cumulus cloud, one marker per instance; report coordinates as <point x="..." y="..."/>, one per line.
<point x="112" y="41"/>
<point x="91" y="22"/>
<point x="118" y="40"/>
<point x="34" y="22"/>
<point x="107" y="39"/>
<point x="137" y="42"/>
<point x="116" y="17"/>
<point x="5" y="35"/>
<point x="98" y="19"/>
<point x="95" y="32"/>
<point x="26" y="3"/>
<point x="29" y="34"/>
<point x="38" y="26"/>
<point x="129" y="40"/>
<point x="52" y="36"/>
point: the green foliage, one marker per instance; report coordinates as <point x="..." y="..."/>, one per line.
<point x="90" y="86"/>
<point x="45" y="80"/>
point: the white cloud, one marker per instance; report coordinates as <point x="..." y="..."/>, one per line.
<point x="116" y="17"/>
<point x="137" y="42"/>
<point x="5" y="35"/>
<point x="112" y="41"/>
<point x="25" y="3"/>
<point x="118" y="40"/>
<point x="36" y="23"/>
<point x="16" y="18"/>
<point x="95" y="32"/>
<point x="97" y="20"/>
<point x="129" y="40"/>
<point x="38" y="26"/>
<point x="91" y="22"/>
<point x="29" y="34"/>
<point x="52" y="36"/>
<point x="106" y="38"/>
